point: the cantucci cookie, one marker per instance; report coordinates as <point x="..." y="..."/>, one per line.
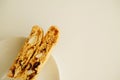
<point x="26" y="53"/>
<point x="41" y="55"/>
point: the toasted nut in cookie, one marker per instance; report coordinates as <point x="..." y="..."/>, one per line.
<point x="32" y="40"/>
<point x="38" y="55"/>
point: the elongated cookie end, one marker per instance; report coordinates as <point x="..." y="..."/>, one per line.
<point x="55" y="31"/>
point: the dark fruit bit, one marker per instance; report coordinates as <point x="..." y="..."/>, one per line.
<point x="43" y="50"/>
<point x="13" y="70"/>
<point x="20" y="62"/>
<point x="31" y="76"/>
<point x="23" y="67"/>
<point x="16" y="60"/>
<point x="36" y="64"/>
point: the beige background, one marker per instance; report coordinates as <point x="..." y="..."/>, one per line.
<point x="89" y="45"/>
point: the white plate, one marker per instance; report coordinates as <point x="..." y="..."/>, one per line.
<point x="8" y="51"/>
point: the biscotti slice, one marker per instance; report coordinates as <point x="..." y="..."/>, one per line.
<point x="27" y="51"/>
<point x="41" y="55"/>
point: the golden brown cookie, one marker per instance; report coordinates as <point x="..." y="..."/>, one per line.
<point x="41" y="55"/>
<point x="26" y="53"/>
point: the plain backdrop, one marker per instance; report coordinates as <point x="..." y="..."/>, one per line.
<point x="89" y="44"/>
